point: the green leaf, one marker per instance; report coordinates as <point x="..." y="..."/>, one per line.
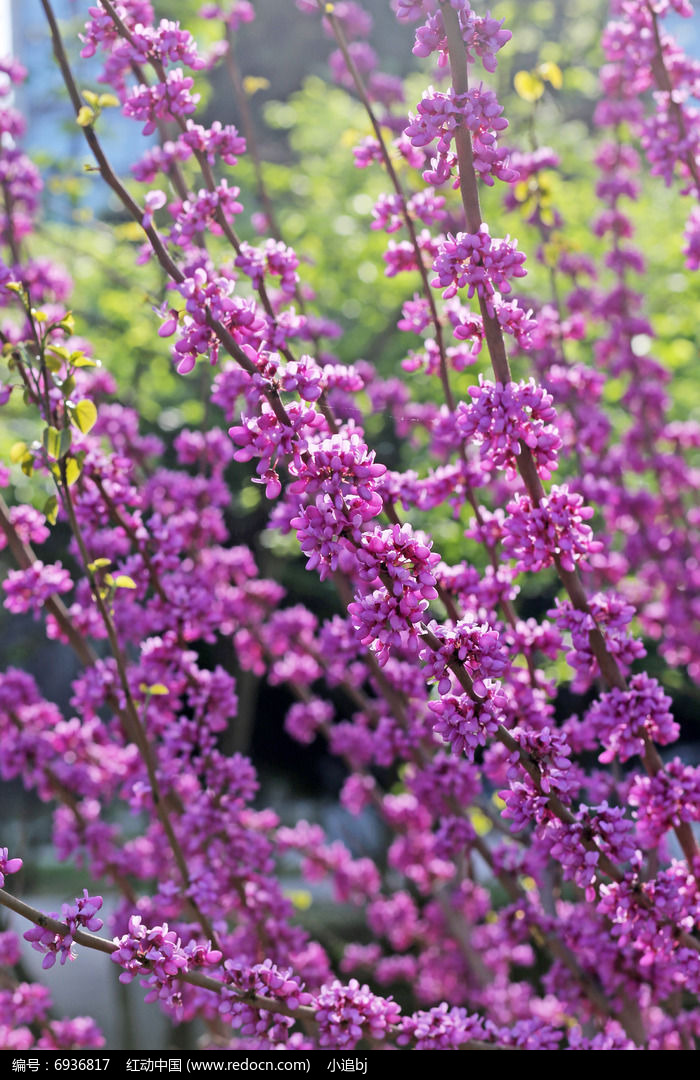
<point x="68" y="386"/>
<point x="56" y="443"/>
<point x="84" y="415"/>
<point x="27" y="356"/>
<point x="53" y="364"/>
<point x="51" y="509"/>
<point x="66" y="440"/>
<point x="51" y="439"/>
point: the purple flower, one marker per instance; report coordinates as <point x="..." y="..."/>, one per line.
<point x="162" y="101"/>
<point x="81" y="915"/>
<point x="438" y="118"/>
<point x="623" y="719"/>
<point x="7" y="865"/>
<point x="665" y="801"/>
<point x="479" y="263"/>
<point x="501" y="417"/>
<point x="443" y="1028"/>
<point x="346" y="1014"/>
<point x="463" y="723"/>
<point x="27" y="590"/>
<point x="555" y="528"/>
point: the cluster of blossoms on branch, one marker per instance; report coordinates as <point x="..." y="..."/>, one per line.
<point x="427" y="682"/>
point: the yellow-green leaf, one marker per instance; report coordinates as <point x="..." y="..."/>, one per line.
<point x="73" y="470"/>
<point x="17" y="452"/>
<point x="91" y="97"/>
<point x="551" y="73"/>
<point x="85" y="116"/>
<point x="521" y="190"/>
<point x="58" y="350"/>
<point x="157" y="689"/>
<point x="123" y="581"/>
<point x="84" y="415"/>
<point x="480" y="822"/>
<point x="99" y="564"/>
<point x="253" y="83"/>
<point x="300" y="898"/>
<point x="129" y="230"/>
<point x="106" y="101"/>
<point x="528" y="86"/>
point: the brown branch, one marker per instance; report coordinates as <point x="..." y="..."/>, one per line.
<point x="24" y="557"/>
<point x="525" y="460"/>
<point x="303" y="1013"/>
<point x="398" y="188"/>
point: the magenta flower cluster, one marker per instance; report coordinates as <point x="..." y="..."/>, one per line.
<point x="479" y="263"/>
<point x="441" y="114"/>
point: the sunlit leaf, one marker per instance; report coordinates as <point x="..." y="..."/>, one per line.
<point x="123" y="581"/>
<point x="551" y="73"/>
<point x="17" y="452"/>
<point x="85" y="116"/>
<point x="73" y="469"/>
<point x="99" y="564"/>
<point x="84" y="415"/>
